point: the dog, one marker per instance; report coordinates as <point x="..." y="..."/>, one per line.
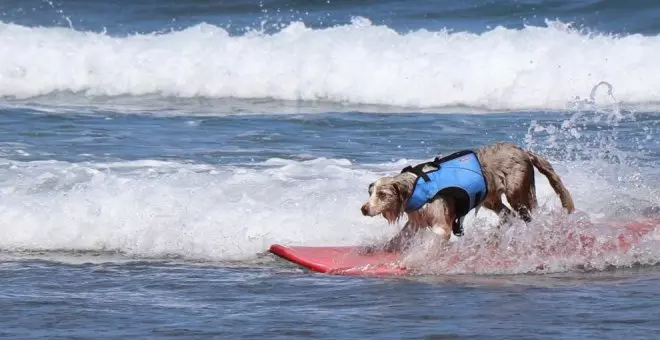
<point x="477" y="178"/>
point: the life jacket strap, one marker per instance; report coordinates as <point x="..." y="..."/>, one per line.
<point x="457" y="227"/>
<point x="418" y="170"/>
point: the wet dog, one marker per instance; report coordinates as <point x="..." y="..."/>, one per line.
<point x="500" y="170"/>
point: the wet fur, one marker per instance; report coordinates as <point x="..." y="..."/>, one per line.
<point x="509" y="171"/>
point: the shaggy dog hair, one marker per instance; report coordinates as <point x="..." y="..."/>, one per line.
<point x="509" y="172"/>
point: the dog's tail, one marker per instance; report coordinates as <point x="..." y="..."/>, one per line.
<point x="546" y="169"/>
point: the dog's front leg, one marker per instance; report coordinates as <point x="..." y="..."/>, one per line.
<point x="650" y="212"/>
<point x="396" y="244"/>
<point x="443" y="231"/>
<point x="401" y="240"/>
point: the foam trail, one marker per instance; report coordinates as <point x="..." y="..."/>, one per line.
<point x="360" y="63"/>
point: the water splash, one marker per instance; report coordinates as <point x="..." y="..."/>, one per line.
<point x="553" y="242"/>
<point x="60" y="12"/>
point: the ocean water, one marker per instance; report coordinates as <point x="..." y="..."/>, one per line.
<point x="152" y="151"/>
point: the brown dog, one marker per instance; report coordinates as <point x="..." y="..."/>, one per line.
<point x="506" y="169"/>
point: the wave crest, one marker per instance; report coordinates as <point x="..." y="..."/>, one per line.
<point x="537" y="67"/>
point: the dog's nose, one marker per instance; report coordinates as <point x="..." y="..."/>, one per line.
<point x="364" y="210"/>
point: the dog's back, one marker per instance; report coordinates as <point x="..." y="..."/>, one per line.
<point x="509" y="171"/>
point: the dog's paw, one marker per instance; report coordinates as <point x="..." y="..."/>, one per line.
<point x="651" y="212"/>
<point x="366" y="250"/>
<point x="392" y="248"/>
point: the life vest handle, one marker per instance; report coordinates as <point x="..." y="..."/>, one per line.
<point x="418" y="169"/>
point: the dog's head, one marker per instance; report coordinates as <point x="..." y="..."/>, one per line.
<point x="388" y="197"/>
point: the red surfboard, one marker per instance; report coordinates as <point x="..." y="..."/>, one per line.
<point x="341" y="260"/>
<point x="352" y="261"/>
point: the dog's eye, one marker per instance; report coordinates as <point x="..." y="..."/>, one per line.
<point x="381" y="194"/>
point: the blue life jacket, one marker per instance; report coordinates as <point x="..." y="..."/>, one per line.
<point x="458" y="175"/>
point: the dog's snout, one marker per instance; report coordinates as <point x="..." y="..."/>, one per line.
<point x="364" y="209"/>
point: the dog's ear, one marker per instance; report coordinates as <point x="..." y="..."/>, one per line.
<point x="396" y="188"/>
<point x="402" y="191"/>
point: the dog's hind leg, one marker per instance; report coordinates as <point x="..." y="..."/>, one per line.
<point x="522" y="206"/>
<point x="500" y="209"/>
<point x="523" y="200"/>
<point x="505" y="202"/>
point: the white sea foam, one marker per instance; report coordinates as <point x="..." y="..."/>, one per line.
<point x="360" y="63"/>
<point x="153" y="209"/>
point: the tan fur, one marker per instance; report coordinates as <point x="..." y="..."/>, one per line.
<point x="509" y="171"/>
